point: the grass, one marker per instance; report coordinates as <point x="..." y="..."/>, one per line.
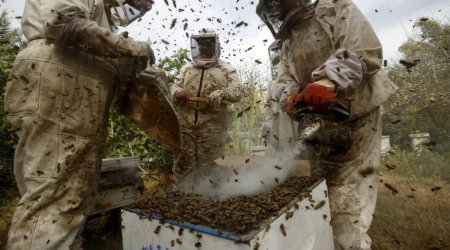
<point x="8" y="203"/>
<point x="418" y="216"/>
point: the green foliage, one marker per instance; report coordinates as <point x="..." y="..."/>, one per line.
<point x="125" y="139"/>
<point x="10" y="43"/>
<point x="423" y="100"/>
<point x="172" y="65"/>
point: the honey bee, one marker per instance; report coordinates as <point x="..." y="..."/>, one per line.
<point x="435" y="189"/>
<point x="158" y="228"/>
<point x="289" y="215"/>
<point x="390" y="187"/>
<point x="283" y="230"/>
<point x="319" y="205"/>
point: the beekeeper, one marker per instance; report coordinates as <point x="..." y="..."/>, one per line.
<point x="204" y="89"/>
<point x="277" y="139"/>
<point x="58" y="102"/>
<point x="330" y="52"/>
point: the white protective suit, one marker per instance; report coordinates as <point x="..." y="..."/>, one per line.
<point x="204" y="131"/>
<point x="337" y="42"/>
<point x="58" y="102"/>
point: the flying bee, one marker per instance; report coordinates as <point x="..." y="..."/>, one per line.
<point x="283" y="230"/>
<point x="435" y="189"/>
<point x="319" y="205"/>
<point x="390" y="187"/>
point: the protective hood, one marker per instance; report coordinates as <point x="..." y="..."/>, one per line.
<point x="124" y="12"/>
<point x="270" y="12"/>
<point x="205" y="48"/>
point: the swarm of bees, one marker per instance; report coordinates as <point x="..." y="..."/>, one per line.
<point x="238" y="215"/>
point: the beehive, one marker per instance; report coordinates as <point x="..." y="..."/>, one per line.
<point x="301" y="222"/>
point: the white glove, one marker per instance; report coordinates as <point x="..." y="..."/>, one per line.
<point x="216" y="98"/>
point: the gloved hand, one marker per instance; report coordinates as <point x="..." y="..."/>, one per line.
<point x="265" y="132"/>
<point x="314" y="95"/>
<point x="181" y="96"/>
<point x="141" y="51"/>
<point x="216" y="98"/>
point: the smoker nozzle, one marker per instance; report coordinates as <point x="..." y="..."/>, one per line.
<point x="309" y="132"/>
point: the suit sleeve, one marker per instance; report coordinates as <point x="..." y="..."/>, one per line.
<point x="233" y="89"/>
<point x="178" y="85"/>
<point x="358" y="50"/>
<point x="68" y="24"/>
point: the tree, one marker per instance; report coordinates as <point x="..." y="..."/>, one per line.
<point x="172" y="65"/>
<point x="249" y="112"/>
<point x="422" y="102"/>
<point x="10" y="44"/>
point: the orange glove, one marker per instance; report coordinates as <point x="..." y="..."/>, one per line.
<point x="316" y="96"/>
<point x="182" y="96"/>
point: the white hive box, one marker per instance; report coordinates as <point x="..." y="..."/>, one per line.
<point x="308" y="228"/>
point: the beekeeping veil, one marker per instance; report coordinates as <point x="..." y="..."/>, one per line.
<point x="269" y="12"/>
<point x="205" y="48"/>
<point x="123" y="12"/>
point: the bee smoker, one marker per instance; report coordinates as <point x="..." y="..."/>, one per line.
<point x="327" y="133"/>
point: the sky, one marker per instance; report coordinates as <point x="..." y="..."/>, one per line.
<point x="243" y="36"/>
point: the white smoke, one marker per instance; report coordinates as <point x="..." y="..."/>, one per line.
<point x="242" y="175"/>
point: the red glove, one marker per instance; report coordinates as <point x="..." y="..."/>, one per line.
<point x="182" y="96"/>
<point x="314" y="95"/>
